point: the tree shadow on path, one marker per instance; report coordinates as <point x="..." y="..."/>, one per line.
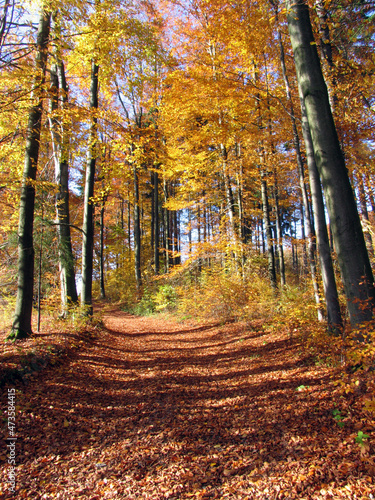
<point x="179" y="411"/>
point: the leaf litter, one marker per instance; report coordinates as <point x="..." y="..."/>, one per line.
<point x="151" y="408"/>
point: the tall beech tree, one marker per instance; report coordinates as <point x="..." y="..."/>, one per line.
<point x="346" y="226"/>
<point x="60" y="146"/>
<point x="300" y="166"/>
<point x="88" y="204"/>
<point x="334" y="318"/>
<point x="24" y="303"/>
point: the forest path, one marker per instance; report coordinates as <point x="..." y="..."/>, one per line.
<point x="155" y="409"/>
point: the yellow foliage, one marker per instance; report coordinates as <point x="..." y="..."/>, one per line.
<point x="223" y="295"/>
<point x="360" y="346"/>
<point x="121" y="285"/>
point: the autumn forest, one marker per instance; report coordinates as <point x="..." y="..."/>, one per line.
<point x="187" y="192"/>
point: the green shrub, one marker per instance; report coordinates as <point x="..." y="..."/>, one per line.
<point x="165" y="298"/>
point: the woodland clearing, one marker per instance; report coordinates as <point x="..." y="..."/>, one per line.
<point x="152" y="408"/>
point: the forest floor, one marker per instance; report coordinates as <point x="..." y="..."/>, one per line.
<point x="150" y="408"/>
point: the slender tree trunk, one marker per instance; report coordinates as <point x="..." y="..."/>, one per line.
<point x="278" y="247"/>
<point x="308" y="219"/>
<point x="296" y="257"/>
<point x="156" y="223"/>
<point x="241" y="218"/>
<point x="120" y="222"/>
<point x="265" y="200"/>
<point x="189" y="230"/>
<point x="137" y="231"/>
<point x="370" y="191"/>
<point x="326" y="50"/>
<point x="365" y="216"/>
<point x="23" y="311"/>
<point x="173" y="226"/>
<point x="129" y="224"/>
<point x="241" y="223"/>
<point x="199" y="239"/>
<point x="303" y="237"/>
<point x="67" y="261"/>
<point x="346" y="226"/>
<point x="101" y="252"/>
<point x="40" y="271"/>
<point x="88" y="206"/>
<point x="228" y="193"/>
<point x="279" y="235"/>
<point x="60" y="144"/>
<point x="263" y="236"/>
<point x="328" y="276"/>
<point x="167" y="231"/>
<point x="177" y="246"/>
<point x="294" y="248"/>
<point x="267" y="224"/>
<point x="152" y="211"/>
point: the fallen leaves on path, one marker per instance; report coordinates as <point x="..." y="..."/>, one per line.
<point x="155" y="409"/>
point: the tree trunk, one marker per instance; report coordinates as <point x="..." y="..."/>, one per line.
<point x="346" y="226"/>
<point x="129" y="224"/>
<point x="167" y="230"/>
<point x="23" y="311"/>
<point x="199" y="239"/>
<point x="365" y="216"/>
<point x="152" y="212"/>
<point x="40" y="271"/>
<point x="263" y="237"/>
<point x="326" y="50"/>
<point x="137" y="231"/>
<point x="328" y="276"/>
<point x="265" y="200"/>
<point x="228" y="193"/>
<point x="189" y="230"/>
<point x="278" y="247"/>
<point x="370" y="192"/>
<point x="102" y="286"/>
<point x="308" y="219"/>
<point x="177" y="247"/>
<point x="279" y="234"/>
<point x="60" y="145"/>
<point x="267" y="223"/>
<point x="156" y="223"/>
<point x="241" y="218"/>
<point x="88" y="206"/>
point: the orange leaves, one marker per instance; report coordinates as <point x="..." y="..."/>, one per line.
<point x="158" y="409"/>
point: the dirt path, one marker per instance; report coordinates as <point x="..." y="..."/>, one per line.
<point x="154" y="409"/>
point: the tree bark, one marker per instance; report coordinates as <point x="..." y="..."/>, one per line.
<point x="334" y="318"/>
<point x="102" y="285"/>
<point x="88" y="207"/>
<point x="177" y="245"/>
<point x="156" y="223"/>
<point x="279" y="234"/>
<point x="167" y="230"/>
<point x="346" y="226"/>
<point x="326" y="50"/>
<point x="60" y="145"/>
<point x="307" y="215"/>
<point x="365" y="216"/>
<point x="267" y="224"/>
<point x="137" y="231"/>
<point x="23" y="311"/>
